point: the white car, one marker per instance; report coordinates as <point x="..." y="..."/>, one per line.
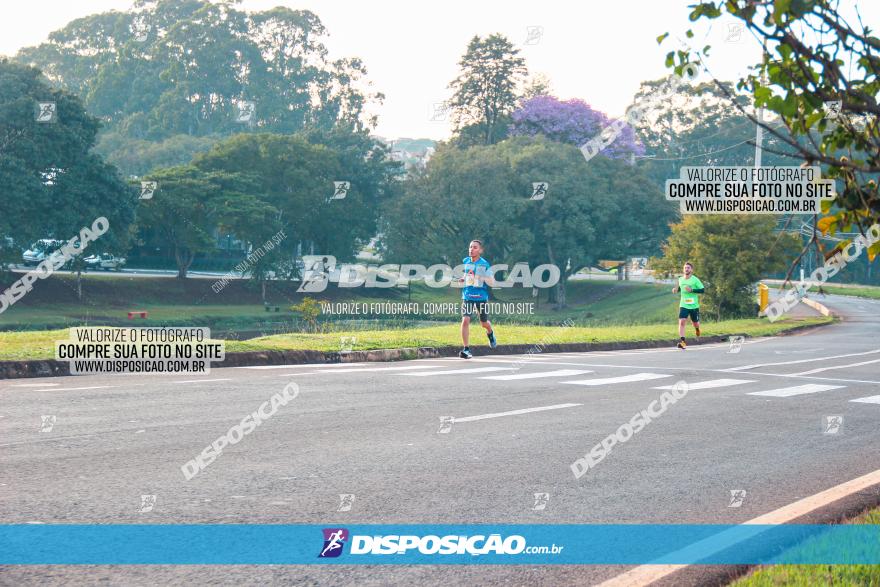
<point x="105" y="261"/>
<point x="40" y="251"/>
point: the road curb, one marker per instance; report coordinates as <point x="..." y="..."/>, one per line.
<point x="53" y="368"/>
<point x="819" y="307"/>
<point x="836" y="512"/>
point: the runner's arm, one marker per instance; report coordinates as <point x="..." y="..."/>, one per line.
<point x="488" y="277"/>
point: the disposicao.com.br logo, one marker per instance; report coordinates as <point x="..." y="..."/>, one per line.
<point x="334" y="540"/>
<point x="320" y="270"/>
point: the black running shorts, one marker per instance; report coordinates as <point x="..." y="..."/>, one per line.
<point x="692" y="313"/>
<point x="468" y="308"/>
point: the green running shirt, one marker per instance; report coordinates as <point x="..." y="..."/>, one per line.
<point x="689" y="300"/>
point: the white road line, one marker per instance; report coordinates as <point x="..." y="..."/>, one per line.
<point x="647" y="574"/>
<point x="725" y="371"/>
<point x="871" y="399"/>
<point x="362" y="369"/>
<point x="200" y="380"/>
<point x="797" y="390"/>
<point x="623" y="379"/>
<point x="514" y="413"/>
<point x="35" y="385"/>
<point x="457" y="371"/>
<point x="673" y="349"/>
<point x="814" y="359"/>
<point x="301" y="366"/>
<point x="529" y="357"/>
<point x="810" y="372"/>
<point x="514" y="360"/>
<point x="557" y="373"/>
<point x="75" y="388"/>
<point x="835" y="379"/>
<point x="711" y="384"/>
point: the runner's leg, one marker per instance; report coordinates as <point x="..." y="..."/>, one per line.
<point x="682" y="322"/>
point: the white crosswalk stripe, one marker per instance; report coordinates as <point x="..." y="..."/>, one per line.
<point x="556" y="373"/>
<point x="457" y="371"/>
<point x="366" y="369"/>
<point x="821" y="369"/>
<point x="300" y="366"/>
<point x="622" y="379"/>
<point x="812" y="360"/>
<point x="518" y="360"/>
<point x="871" y="399"/>
<point x="796" y="390"/>
<point x="514" y="413"/>
<point x="711" y="384"/>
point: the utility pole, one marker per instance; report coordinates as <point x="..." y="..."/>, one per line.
<point x="759" y="137"/>
<point x="759" y="130"/>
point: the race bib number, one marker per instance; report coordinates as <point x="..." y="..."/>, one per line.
<point x="472" y="280"/>
<point x="689" y="300"/>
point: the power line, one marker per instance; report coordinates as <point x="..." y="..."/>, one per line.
<point x="695" y="156"/>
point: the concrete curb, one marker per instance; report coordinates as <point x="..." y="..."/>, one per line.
<point x="819" y="307"/>
<point x="53" y="368"/>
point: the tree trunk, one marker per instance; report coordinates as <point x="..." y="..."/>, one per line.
<point x="79" y="285"/>
<point x="560" y="298"/>
<point x="560" y="287"/>
<point x="263" y="289"/>
<point x="184" y="258"/>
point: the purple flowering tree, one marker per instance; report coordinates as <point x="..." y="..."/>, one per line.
<point x="571" y="121"/>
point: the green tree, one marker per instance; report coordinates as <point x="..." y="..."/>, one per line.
<point x="604" y="209"/>
<point x="461" y="195"/>
<point x="730" y="253"/>
<point x="485" y="92"/>
<point x="295" y="175"/>
<point x="184" y="66"/>
<point x="136" y="157"/>
<point x="190" y="204"/>
<point x="53" y="184"/>
<point x="591" y="211"/>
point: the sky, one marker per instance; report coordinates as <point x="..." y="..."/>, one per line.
<point x="597" y="51"/>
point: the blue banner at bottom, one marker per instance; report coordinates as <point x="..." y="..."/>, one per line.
<point x="613" y="544"/>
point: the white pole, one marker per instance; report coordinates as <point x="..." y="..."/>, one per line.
<point x="759" y="137"/>
<point x="759" y="130"/>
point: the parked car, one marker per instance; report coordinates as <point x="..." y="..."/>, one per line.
<point x="40" y="251"/>
<point x="105" y="261"/>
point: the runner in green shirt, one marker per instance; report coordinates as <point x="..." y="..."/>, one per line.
<point x="690" y="288"/>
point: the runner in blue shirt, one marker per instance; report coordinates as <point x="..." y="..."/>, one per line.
<point x="475" y="295"/>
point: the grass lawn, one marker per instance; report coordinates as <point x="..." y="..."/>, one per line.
<point x="450" y="335"/>
<point x="859" y="291"/>
<point x="809" y="575"/>
<point x="238" y="306"/>
<point x="41" y="344"/>
<point x="602" y="311"/>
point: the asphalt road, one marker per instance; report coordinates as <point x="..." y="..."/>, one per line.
<point x="129" y="272"/>
<point x="753" y="420"/>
